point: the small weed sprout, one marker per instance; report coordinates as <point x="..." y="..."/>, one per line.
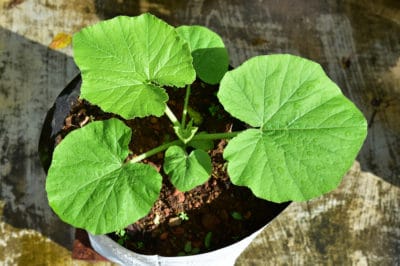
<point x="122" y="236"/>
<point x="183" y="216"/>
<point x="207" y="240"/>
<point x="237" y="216"/>
<point x="139" y="244"/>
<point x="189" y="250"/>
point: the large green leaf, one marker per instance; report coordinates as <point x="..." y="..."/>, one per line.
<point x="187" y="171"/>
<point x="309" y="133"/>
<point x="210" y="57"/>
<point x="125" y="60"/>
<point x="88" y="184"/>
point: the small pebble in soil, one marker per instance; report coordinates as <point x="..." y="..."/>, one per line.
<point x="178" y="231"/>
<point x="167" y="211"/>
<point x="174" y="221"/>
<point x="180" y="195"/>
<point x="164" y="236"/>
<point x="156" y="219"/>
<point x="68" y="121"/>
<point x="197" y="244"/>
<point x="153" y="120"/>
<point x="85" y="121"/>
<point x="247" y="215"/>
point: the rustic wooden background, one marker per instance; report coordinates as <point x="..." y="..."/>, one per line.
<point x="356" y="41"/>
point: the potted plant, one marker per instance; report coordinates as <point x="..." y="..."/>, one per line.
<point x="298" y="133"/>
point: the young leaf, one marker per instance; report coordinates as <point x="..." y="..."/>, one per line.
<point x="88" y="184"/>
<point x="195" y="251"/>
<point x="187" y="171"/>
<point x="210" y="57"/>
<point x="237" y="216"/>
<point x="196" y="116"/>
<point x="185" y="134"/>
<point x="207" y="240"/>
<point x="125" y="60"/>
<point x="309" y="133"/>
<point x="188" y="247"/>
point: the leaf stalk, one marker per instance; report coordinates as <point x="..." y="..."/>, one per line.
<point x="155" y="151"/>
<point x="212" y="136"/>
<point x="165" y="146"/>
<point x="171" y="116"/>
<point x="185" y="106"/>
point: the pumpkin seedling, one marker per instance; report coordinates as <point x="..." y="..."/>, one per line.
<point x="302" y="133"/>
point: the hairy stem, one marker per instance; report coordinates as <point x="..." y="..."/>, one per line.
<point x="165" y="146"/>
<point x="185" y="106"/>
<point x="154" y="151"/>
<point x="171" y="116"/>
<point x="227" y="135"/>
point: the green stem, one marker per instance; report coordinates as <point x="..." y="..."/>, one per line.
<point x="213" y="136"/>
<point x="154" y="151"/>
<point x="171" y="116"/>
<point x="165" y="146"/>
<point x="185" y="106"/>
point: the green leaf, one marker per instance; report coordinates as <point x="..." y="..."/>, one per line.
<point x="196" y="116"/>
<point x="210" y="57"/>
<point x="207" y="240"/>
<point x="309" y="134"/>
<point x="188" y="247"/>
<point x="88" y="184"/>
<point x="125" y="60"/>
<point x="187" y="171"/>
<point x="237" y="216"/>
<point x="195" y="251"/>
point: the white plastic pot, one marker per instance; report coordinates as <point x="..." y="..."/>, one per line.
<point x="114" y="252"/>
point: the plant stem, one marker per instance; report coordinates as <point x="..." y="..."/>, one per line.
<point x="165" y="146"/>
<point x="154" y="151"/>
<point x="213" y="136"/>
<point x="171" y="116"/>
<point x="185" y="106"/>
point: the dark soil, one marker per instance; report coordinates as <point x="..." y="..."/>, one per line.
<point x="218" y="212"/>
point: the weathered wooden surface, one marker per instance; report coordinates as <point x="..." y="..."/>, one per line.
<point x="357" y="224"/>
<point x="358" y="44"/>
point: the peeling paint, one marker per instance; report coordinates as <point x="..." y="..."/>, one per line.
<point x="23" y="246"/>
<point x="40" y="20"/>
<point x="394" y="75"/>
<point x="348" y="226"/>
<point x="28" y="247"/>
